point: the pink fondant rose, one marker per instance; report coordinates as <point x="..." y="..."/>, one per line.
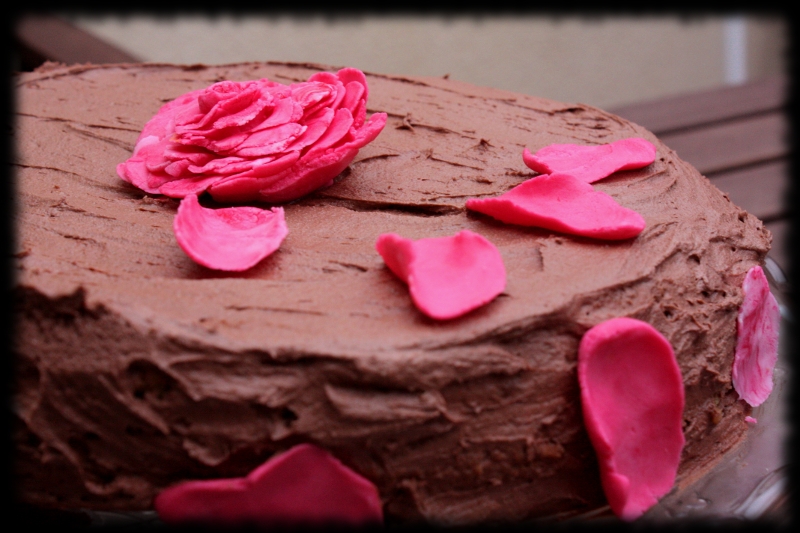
<point x="254" y="140"/>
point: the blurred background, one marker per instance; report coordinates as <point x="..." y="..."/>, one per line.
<point x="606" y="61"/>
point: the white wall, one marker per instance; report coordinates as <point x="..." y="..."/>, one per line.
<point x="604" y="61"/>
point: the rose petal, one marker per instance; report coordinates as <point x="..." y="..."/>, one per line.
<point x="339" y="127"/>
<point x="303" y="486"/>
<point x="163" y="122"/>
<point x="270" y="141"/>
<point x="187" y="186"/>
<point x="245" y="186"/>
<point x="135" y="171"/>
<point x="446" y="276"/>
<point x="562" y="203"/>
<point x="347" y="75"/>
<point x="232" y="238"/>
<point x="355" y="95"/>
<point x="231" y="99"/>
<point x="313" y="94"/>
<point x="591" y="163"/>
<point x="756" y="339"/>
<point x="178" y="168"/>
<point x="222" y="166"/>
<point x="285" y="110"/>
<point x="632" y="399"/>
<point x="309" y="174"/>
<point x="316" y="128"/>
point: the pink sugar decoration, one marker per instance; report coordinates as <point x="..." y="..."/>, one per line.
<point x="231" y="238"/>
<point x="254" y="140"/>
<point x="303" y="486"/>
<point x="632" y="398"/>
<point x="591" y="163"/>
<point x="750" y="420"/>
<point x="446" y="276"/>
<point x="756" y="339"/>
<point x="562" y="203"/>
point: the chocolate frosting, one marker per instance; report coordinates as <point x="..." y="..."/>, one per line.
<point x="137" y="368"/>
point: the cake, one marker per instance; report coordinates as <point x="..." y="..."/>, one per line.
<point x="136" y="368"/>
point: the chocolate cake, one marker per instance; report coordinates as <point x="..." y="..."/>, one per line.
<point x="137" y="368"/>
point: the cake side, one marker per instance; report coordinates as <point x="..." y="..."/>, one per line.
<point x="137" y="368"/>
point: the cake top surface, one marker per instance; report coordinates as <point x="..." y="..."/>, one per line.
<point x="326" y="290"/>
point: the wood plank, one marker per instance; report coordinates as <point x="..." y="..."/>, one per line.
<point x="707" y="107"/>
<point x="780" y="246"/>
<point x="760" y="190"/>
<point x="42" y="38"/>
<point x="727" y="146"/>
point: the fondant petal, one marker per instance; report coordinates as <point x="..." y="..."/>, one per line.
<point x="562" y="203"/>
<point x="446" y="276"/>
<point x="591" y="163"/>
<point x="231" y="238"/>
<point x="632" y="399"/>
<point x="756" y="339"/>
<point x="303" y="486"/>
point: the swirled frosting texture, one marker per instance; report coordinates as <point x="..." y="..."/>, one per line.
<point x="136" y="368"/>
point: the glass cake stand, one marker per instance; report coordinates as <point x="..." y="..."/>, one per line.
<point x="750" y="483"/>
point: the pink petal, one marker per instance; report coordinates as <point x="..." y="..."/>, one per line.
<point x="222" y="166"/>
<point x="562" y="203"/>
<point x="177" y="168"/>
<point x="355" y="95"/>
<point x="135" y="172"/>
<point x="227" y="99"/>
<point x="309" y="174"/>
<point x="305" y="485"/>
<point x="316" y="128"/>
<point x="269" y="141"/>
<point x="446" y="276"/>
<point x="232" y="238"/>
<point x="750" y="420"/>
<point x="632" y="399"/>
<point x="328" y="78"/>
<point x="188" y="186"/>
<point x="338" y="128"/>
<point x="162" y="123"/>
<point x="312" y="93"/>
<point x="757" y="339"/>
<point x="591" y="163"/>
<point x="285" y="110"/>
<point x="355" y="99"/>
<point x="175" y="151"/>
<point x="246" y="185"/>
<point x="348" y="75"/>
